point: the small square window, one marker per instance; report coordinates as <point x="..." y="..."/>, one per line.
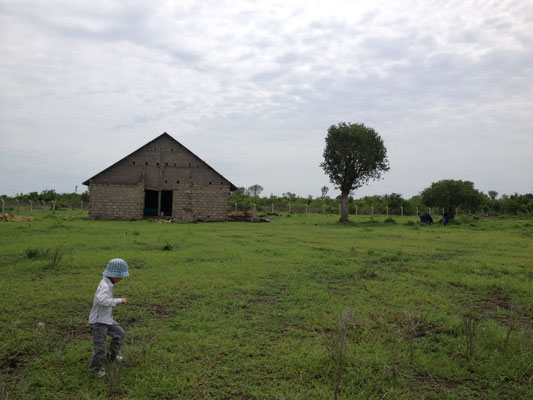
<point x="177" y="181"/>
<point x="146" y="163"/>
<point x="221" y="183"/>
<point x="210" y="183"/>
<point x="166" y="164"/>
<point x="189" y="164"/>
<point x="134" y="163"/>
<point x="166" y="181"/>
<point x="171" y="149"/>
<point x="158" y="164"/>
<point x="174" y="164"/>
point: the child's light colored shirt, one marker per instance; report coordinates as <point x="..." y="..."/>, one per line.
<point x="103" y="303"/>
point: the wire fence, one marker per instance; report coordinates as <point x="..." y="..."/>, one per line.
<point x="28" y="207"/>
<point x="299" y="208"/>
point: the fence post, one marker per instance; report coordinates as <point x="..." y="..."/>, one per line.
<point x="82" y="204"/>
<point x="323" y="208"/>
<point x="417" y="211"/>
<point x="387" y="210"/>
<point x="401" y="211"/>
<point x="272" y="204"/>
<point x="235" y="207"/>
<point x="18" y="206"/>
<point x="356" y="211"/>
<point x="289" y="208"/>
<point x="306" y="208"/>
<point x="372" y="210"/>
<point x="31" y="206"/>
<point x="429" y="210"/>
<point x="3" y="206"/>
<point x="54" y="205"/>
<point x="254" y="208"/>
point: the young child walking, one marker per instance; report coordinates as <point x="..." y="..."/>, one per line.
<point x="100" y="319"/>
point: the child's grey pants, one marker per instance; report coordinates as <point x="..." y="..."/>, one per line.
<point x="100" y="333"/>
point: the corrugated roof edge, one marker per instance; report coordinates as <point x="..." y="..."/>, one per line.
<point x="232" y="186"/>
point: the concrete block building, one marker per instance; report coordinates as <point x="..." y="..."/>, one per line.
<point x="162" y="178"/>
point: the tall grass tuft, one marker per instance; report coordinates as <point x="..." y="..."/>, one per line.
<point x="512" y="323"/>
<point x="54" y="257"/>
<point x="336" y="346"/>
<point x="411" y="325"/>
<point x="470" y="325"/>
<point x="112" y="376"/>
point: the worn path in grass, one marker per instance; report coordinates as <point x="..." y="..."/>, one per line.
<point x="241" y="311"/>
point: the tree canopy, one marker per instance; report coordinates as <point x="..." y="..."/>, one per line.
<point x="450" y="194"/>
<point x="353" y="155"/>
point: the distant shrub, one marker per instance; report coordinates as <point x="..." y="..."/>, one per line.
<point x="32" y="253"/>
<point x="410" y="223"/>
<point x="135" y="233"/>
<point x="167" y="247"/>
<point x="390" y="221"/>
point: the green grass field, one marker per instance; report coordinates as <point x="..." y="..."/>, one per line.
<point x="253" y="311"/>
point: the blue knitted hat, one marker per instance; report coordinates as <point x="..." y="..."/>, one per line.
<point x="117" y="268"/>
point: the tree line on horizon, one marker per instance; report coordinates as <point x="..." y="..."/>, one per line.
<point x="475" y="201"/>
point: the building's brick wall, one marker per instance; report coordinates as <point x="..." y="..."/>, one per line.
<point x="199" y="192"/>
<point x="108" y="201"/>
<point x="203" y="204"/>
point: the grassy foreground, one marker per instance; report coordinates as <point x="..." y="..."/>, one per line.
<point x="260" y="311"/>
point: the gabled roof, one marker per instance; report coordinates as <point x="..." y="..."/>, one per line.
<point x="232" y="186"/>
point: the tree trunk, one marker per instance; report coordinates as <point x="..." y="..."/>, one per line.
<point x="450" y="212"/>
<point x="344" y="207"/>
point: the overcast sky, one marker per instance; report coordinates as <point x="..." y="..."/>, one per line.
<point x="252" y="86"/>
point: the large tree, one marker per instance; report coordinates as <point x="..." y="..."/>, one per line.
<point x="354" y="154"/>
<point x="450" y="194"/>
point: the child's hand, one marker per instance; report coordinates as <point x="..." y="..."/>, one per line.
<point x="123" y="300"/>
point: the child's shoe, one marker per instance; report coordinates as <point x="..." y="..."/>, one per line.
<point x="100" y="374"/>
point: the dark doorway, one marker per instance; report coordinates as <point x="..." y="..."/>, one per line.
<point x="166" y="203"/>
<point x="150" y="203"/>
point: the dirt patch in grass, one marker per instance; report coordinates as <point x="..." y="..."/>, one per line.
<point x="459" y="285"/>
<point x="72" y="333"/>
<point x="265" y="299"/>
<point x="161" y="310"/>
<point x="436" y="383"/>
<point x="496" y="301"/>
<point x="419" y="325"/>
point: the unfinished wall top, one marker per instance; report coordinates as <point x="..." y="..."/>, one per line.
<point x="162" y="161"/>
